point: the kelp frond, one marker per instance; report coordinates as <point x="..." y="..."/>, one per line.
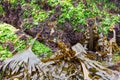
<point x="68" y="63"/>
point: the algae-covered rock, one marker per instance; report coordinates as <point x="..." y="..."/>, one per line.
<point x="7" y="36"/>
<point x="11" y="42"/>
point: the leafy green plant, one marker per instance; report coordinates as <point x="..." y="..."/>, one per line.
<point x="5" y="53"/>
<point x="1" y="10"/>
<point x="116" y="57"/>
<point x="74" y="15"/>
<point x="53" y="3"/>
<point x="39" y="48"/>
<point x="35" y="12"/>
<point x="80" y="13"/>
<point x="40" y="16"/>
<point x="109" y="21"/>
<point x="7" y="33"/>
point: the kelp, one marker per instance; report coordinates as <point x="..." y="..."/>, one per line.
<point x="67" y="63"/>
<point x="75" y="52"/>
<point x="99" y="69"/>
<point x="103" y="48"/>
<point x="24" y="61"/>
<point x="77" y="66"/>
